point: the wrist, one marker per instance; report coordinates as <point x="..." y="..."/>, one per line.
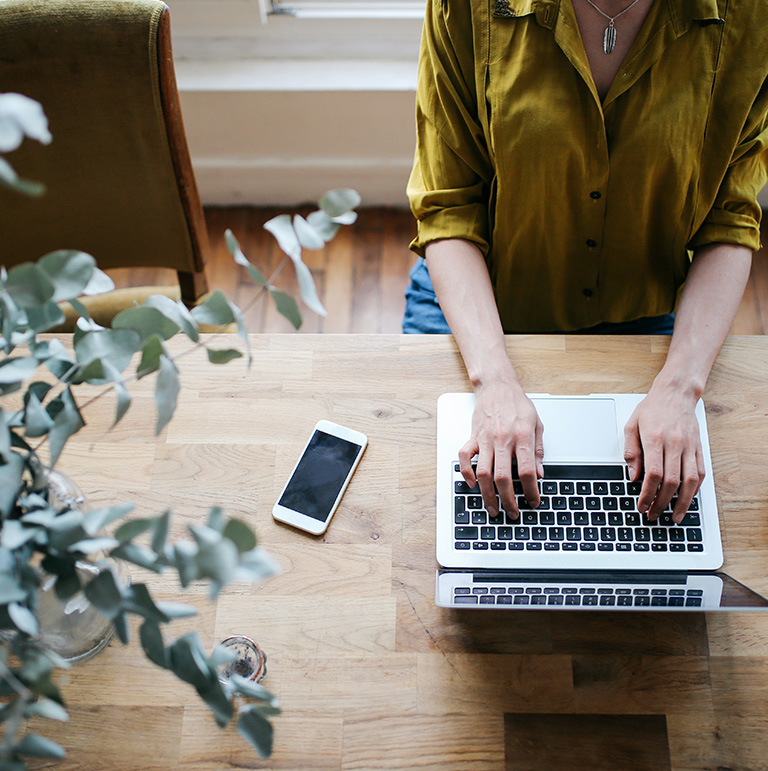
<point x="686" y="384"/>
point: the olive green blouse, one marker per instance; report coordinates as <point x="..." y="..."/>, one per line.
<point x="587" y="211"/>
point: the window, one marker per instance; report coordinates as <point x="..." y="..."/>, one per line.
<point x="297" y="29"/>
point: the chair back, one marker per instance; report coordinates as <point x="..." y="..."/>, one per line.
<point x="118" y="177"/>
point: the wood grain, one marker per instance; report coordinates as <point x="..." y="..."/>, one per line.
<point x="369" y="672"/>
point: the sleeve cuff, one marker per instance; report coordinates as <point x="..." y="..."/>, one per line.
<point x="468" y="222"/>
<point x="725" y="227"/>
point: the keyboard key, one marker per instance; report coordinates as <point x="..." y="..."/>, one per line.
<point x="623" y="547"/>
<point x="546" y="517"/>
<point x="586" y="546"/>
<point x="590" y="599"/>
<point x="580" y="518"/>
<point x="515" y="546"/>
<point x="549" y="546"/>
<point x="488" y="600"/>
<point x="533" y="545"/>
<point x="615" y="518"/>
<point x="562" y="471"/>
<point x="555" y="599"/>
<point x="497" y="520"/>
<point x="602" y="546"/>
<point x="590" y="533"/>
<point x="694" y="547"/>
<point x="600" y="488"/>
<point x="538" y="599"/>
<point x="505" y="600"/>
<point x="564" y="518"/>
<point x="632" y="518"/>
<point x="623" y="601"/>
<point x="522" y="533"/>
<point x="642" y="534"/>
<point x="556" y="533"/>
<point x="567" y="488"/>
<point x="559" y="503"/>
<point x="618" y="488"/>
<point x="693" y="602"/>
<point x="474" y="502"/>
<point x="465" y="533"/>
<point x="463" y="600"/>
<point x="573" y="599"/>
<point x="460" y="486"/>
<point x="530" y="518"/>
<point x="461" y="545"/>
<point x="627" y="504"/>
<point x="498" y="545"/>
<point x="610" y="503"/>
<point x="659" y="602"/>
<point x="676" y="534"/>
<point x="498" y="590"/>
<point x="608" y="600"/>
<point x="625" y="533"/>
<point x="479" y="517"/>
<point x="548" y="487"/>
<point x="480" y="590"/>
<point x="570" y="546"/>
<point x="598" y="518"/>
<point x="607" y="534"/>
<point x="459" y="504"/>
<point x="462" y="518"/>
<point x="676" y="602"/>
<point x="522" y="599"/>
<point x="584" y="488"/>
<point x="504" y="533"/>
<point x="658" y="547"/>
<point x="691" y="519"/>
<point x="539" y="533"/>
<point x="488" y="533"/>
<point x="642" y="601"/>
<point x="694" y="534"/>
<point x="695" y="592"/>
<point x="575" y="503"/>
<point x="640" y="547"/>
<point x="462" y="590"/>
<point x="658" y="534"/>
<point x="480" y="545"/>
<point x="592" y="503"/>
<point x="677" y="547"/>
<point x="573" y="533"/>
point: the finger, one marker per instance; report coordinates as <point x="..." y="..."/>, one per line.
<point x="527" y="470"/>
<point x="484" y="474"/>
<point x="539" y="449"/>
<point x="466" y="453"/>
<point x="633" y="449"/>
<point x="688" y="486"/>
<point x="502" y="475"/>
<point x="670" y="484"/>
<point x="653" y="462"/>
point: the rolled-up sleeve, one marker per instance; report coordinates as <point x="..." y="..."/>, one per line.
<point x="449" y="186"/>
<point x="735" y="216"/>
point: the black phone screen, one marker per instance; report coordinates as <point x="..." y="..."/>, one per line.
<point x="319" y="476"/>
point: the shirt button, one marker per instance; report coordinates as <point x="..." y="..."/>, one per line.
<point x="591" y="244"/>
<point x="595" y="194"/>
<point x="587" y="292"/>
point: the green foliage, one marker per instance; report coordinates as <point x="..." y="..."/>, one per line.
<point x="45" y="537"/>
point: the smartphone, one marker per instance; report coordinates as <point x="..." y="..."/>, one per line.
<point x="320" y="477"/>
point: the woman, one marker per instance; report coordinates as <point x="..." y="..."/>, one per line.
<point x="588" y="166"/>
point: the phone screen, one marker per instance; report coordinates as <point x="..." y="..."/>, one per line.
<point x="320" y="475"/>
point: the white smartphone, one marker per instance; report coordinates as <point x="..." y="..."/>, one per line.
<point x="320" y="477"/>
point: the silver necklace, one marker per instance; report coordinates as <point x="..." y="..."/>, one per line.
<point x="609" y="36"/>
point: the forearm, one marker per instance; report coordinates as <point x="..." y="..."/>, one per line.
<point x="463" y="287"/>
<point x="707" y="307"/>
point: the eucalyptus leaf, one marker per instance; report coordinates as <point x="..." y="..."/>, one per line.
<point x="282" y="229"/>
<point x="44" y="317"/>
<point x="323" y="224"/>
<point x="9" y="178"/>
<point x="253" y="690"/>
<point x="138" y="555"/>
<point x="223" y="356"/>
<point x="256" y="729"/>
<point x="5" y="438"/>
<point x="308" y="237"/>
<point x="256" y="565"/>
<point x="160" y="531"/>
<point x="175" y="610"/>
<point x="307" y="288"/>
<point x="151" y="351"/>
<point x="104" y="592"/>
<point x="216" y="520"/>
<point x="21" y="116"/>
<point x="216" y="697"/>
<point x="23" y="618"/>
<point x="91" y="545"/>
<point x="136" y="599"/>
<point x="133" y="528"/>
<point x="151" y="638"/>
<point x="346" y="219"/>
<point x="96" y="519"/>
<point x="116" y="345"/>
<point x="10" y="591"/>
<point x="100" y="283"/>
<point x="188" y="661"/>
<point x="234" y="247"/>
<point x="47" y="708"/>
<point x="167" y="389"/>
<point x="70" y="271"/>
<point x="79" y="308"/>
<point x="176" y="312"/>
<point x="240" y="534"/>
<point x="146" y="321"/>
<point x="336" y="203"/>
<point x="10" y="482"/>
<point x="286" y="306"/>
<point x="29" y="285"/>
<point x="67" y="423"/>
<point x="36" y="746"/>
<point x="17" y="369"/>
<point x="37" y="422"/>
<point x="215" y="310"/>
<point x="123" y="402"/>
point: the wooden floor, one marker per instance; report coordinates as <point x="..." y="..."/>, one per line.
<point x="361" y="275"/>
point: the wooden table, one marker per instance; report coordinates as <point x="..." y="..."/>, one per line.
<point x="369" y="673"/>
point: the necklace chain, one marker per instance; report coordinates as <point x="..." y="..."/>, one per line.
<point x="609" y="35"/>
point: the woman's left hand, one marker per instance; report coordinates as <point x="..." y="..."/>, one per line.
<point x="663" y="447"/>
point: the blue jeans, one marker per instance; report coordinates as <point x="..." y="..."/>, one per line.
<point x="423" y="315"/>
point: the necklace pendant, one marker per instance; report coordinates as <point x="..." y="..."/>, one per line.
<point x="609" y="38"/>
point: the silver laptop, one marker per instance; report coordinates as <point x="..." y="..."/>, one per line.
<point x="585" y="546"/>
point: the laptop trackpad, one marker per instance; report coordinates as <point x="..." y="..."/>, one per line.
<point x="579" y="429"/>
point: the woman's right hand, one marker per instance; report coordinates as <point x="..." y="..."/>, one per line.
<point x="505" y="428"/>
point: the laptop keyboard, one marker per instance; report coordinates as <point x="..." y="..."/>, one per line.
<point x="569" y="595"/>
<point x="585" y="508"/>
